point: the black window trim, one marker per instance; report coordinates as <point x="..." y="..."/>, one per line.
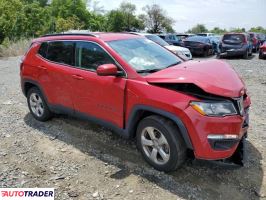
<point x="75" y="41"/>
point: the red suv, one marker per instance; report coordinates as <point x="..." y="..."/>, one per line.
<point x="141" y="90"/>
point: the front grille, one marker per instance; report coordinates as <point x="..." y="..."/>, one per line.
<point x="224" y="144"/>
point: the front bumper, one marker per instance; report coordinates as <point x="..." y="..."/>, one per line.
<point x="199" y="127"/>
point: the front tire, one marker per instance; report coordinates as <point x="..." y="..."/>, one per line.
<point x="37" y="105"/>
<point x="160" y="143"/>
<point x="206" y="53"/>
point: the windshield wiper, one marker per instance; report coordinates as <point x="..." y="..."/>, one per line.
<point x="148" y="70"/>
<point x="176" y="63"/>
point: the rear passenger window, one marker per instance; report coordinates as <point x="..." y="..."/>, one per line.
<point x="61" y="52"/>
<point x="91" y="56"/>
<point x="43" y="49"/>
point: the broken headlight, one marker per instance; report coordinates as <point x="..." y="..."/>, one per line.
<point x="214" y="108"/>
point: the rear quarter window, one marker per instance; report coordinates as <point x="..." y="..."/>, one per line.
<point x="61" y="52"/>
<point x="43" y="49"/>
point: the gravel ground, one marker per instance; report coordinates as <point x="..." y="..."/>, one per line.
<point x="82" y="160"/>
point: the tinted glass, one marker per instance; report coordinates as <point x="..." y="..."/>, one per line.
<point x="43" y="49"/>
<point x="91" y="56"/>
<point x="61" y="52"/>
<point x="143" y="54"/>
<point x="234" y="38"/>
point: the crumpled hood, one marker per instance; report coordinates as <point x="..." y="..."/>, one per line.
<point x="177" y="48"/>
<point x="213" y="76"/>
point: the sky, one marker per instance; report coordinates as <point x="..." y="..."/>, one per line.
<point x="222" y="13"/>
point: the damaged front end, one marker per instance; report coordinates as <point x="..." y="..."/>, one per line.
<point x="220" y="142"/>
<point x="239" y="156"/>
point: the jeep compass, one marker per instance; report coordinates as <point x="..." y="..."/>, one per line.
<point x="140" y="90"/>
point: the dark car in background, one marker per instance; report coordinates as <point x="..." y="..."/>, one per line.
<point x="262" y="38"/>
<point x="236" y="44"/>
<point x="255" y="41"/>
<point x="184" y="35"/>
<point x="172" y="39"/>
<point x="205" y="34"/>
<point x="199" y="45"/>
<point x="262" y="53"/>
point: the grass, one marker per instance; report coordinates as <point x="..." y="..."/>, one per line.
<point x="14" y="48"/>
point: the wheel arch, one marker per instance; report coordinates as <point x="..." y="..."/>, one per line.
<point x="26" y="84"/>
<point x="141" y="111"/>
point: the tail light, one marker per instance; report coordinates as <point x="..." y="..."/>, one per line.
<point x="245" y="41"/>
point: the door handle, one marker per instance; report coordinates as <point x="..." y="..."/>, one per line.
<point x="42" y="67"/>
<point x="78" y="77"/>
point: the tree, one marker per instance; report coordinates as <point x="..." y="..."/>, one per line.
<point x="156" y="20"/>
<point x="199" y="28"/>
<point x="41" y="2"/>
<point x="238" y="30"/>
<point x="258" y="29"/>
<point x="94" y="7"/>
<point x="128" y="11"/>
<point x="218" y="30"/>
<point x="70" y="23"/>
<point x="69" y="8"/>
<point x="115" y="21"/>
<point x="124" y="19"/>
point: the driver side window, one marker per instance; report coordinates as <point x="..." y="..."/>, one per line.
<point x="90" y="56"/>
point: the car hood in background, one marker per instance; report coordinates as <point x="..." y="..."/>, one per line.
<point x="213" y="76"/>
<point x="177" y="48"/>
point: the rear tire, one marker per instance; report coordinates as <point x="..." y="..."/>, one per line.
<point x="260" y="55"/>
<point x="37" y="105"/>
<point x="245" y="56"/>
<point x="160" y="143"/>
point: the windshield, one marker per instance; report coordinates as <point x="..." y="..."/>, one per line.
<point x="157" y="39"/>
<point x="144" y="55"/>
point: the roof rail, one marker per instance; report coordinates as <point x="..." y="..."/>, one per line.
<point x="72" y="33"/>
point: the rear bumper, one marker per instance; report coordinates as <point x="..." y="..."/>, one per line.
<point x="234" y="52"/>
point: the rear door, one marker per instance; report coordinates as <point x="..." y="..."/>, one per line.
<point x="96" y="96"/>
<point x="56" y="59"/>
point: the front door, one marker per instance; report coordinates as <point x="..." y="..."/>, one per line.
<point x="101" y="97"/>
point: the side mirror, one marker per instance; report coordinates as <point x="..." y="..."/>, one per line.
<point x="107" y="70"/>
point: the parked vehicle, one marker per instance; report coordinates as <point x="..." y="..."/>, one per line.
<point x="236" y="44"/>
<point x="172" y="39"/>
<point x="262" y="38"/>
<point x="184" y="35"/>
<point x="255" y="41"/>
<point x="262" y="52"/>
<point x="180" y="51"/>
<point x="205" y="34"/>
<point x="140" y="90"/>
<point x="199" y="45"/>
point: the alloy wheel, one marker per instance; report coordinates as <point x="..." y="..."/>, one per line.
<point x="155" y="145"/>
<point x="36" y="104"/>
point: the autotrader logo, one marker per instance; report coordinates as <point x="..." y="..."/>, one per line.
<point x="27" y="193"/>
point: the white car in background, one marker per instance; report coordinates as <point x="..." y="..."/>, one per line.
<point x="180" y="51"/>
